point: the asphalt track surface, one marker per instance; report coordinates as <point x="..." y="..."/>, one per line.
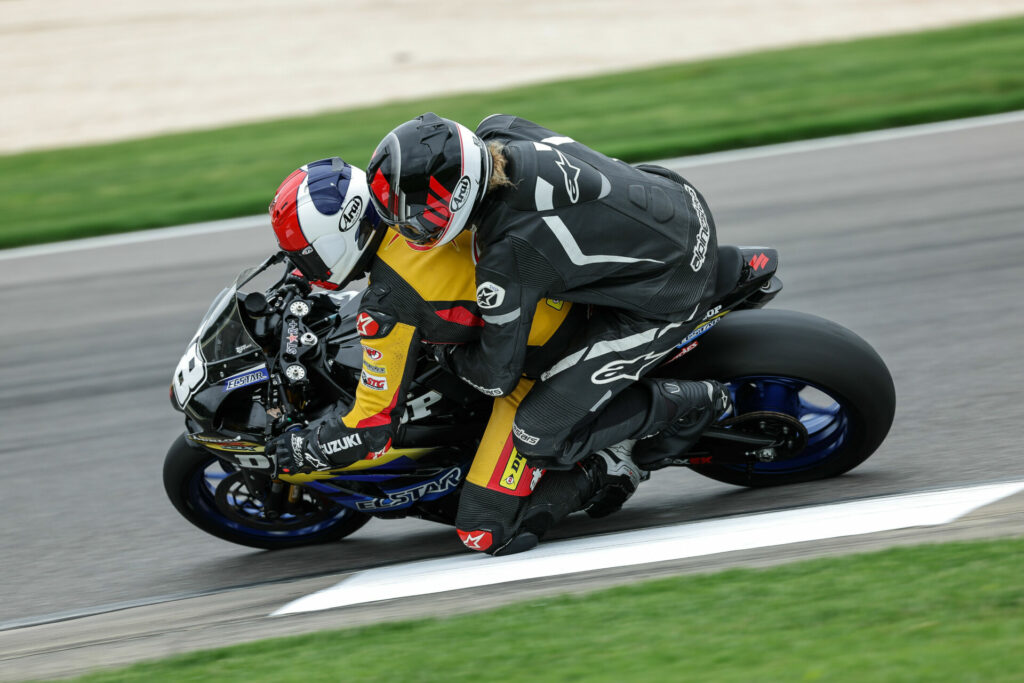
<point x="916" y="243"/>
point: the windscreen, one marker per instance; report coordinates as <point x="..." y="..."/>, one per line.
<point x="221" y="350"/>
<point x="222" y="334"/>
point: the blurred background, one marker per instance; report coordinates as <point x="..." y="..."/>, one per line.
<point x="119" y="115"/>
<point x="73" y="72"/>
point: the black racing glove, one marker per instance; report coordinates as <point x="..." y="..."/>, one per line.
<point x="324" y="445"/>
<point x="296" y="453"/>
<point x="443" y="355"/>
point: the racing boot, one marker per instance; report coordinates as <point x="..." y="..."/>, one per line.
<point x="599" y="484"/>
<point x="697" y="405"/>
<point x="614" y="478"/>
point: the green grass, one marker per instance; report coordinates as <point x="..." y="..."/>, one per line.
<point x="951" y="612"/>
<point x="654" y="113"/>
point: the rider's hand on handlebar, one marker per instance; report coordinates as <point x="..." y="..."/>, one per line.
<point x="294" y="453"/>
<point x="442" y="354"/>
<point x="325" y="444"/>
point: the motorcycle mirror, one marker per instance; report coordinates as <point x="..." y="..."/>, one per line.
<point x="271" y="260"/>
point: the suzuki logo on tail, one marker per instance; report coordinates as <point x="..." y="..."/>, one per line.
<point x="571" y="174"/>
<point x="758" y="262"/>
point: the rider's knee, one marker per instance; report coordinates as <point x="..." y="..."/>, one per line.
<point x="547" y="450"/>
<point x="531" y="442"/>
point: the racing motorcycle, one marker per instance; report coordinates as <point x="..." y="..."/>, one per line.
<point x="812" y="400"/>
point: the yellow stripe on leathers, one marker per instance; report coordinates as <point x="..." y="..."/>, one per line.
<point x="496" y="435"/>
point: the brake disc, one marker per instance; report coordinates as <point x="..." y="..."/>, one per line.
<point x="236" y="502"/>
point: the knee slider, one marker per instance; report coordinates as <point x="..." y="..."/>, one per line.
<point x="482" y="540"/>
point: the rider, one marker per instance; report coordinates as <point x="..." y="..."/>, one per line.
<point x="322" y="217"/>
<point x="554" y="218"/>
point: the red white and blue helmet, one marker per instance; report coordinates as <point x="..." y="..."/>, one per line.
<point x="323" y="219"/>
<point x="426" y="178"/>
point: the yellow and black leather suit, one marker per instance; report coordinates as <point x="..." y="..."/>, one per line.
<point x="416" y="296"/>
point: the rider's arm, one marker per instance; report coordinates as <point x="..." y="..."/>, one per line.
<point x="389" y="357"/>
<point x="494" y="364"/>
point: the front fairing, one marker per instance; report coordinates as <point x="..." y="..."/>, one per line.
<point x="222" y="358"/>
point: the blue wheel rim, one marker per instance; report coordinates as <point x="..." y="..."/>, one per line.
<point x="824" y="415"/>
<point x="201" y="492"/>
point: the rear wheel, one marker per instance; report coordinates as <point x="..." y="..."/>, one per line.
<point x="217" y="498"/>
<point x="798" y="376"/>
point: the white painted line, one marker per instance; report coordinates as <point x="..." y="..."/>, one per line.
<point x="676" y="163"/>
<point x="656" y="545"/>
<point x="156" y="234"/>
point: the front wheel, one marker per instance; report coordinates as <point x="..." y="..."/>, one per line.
<point x="784" y="366"/>
<point x="216" y="497"/>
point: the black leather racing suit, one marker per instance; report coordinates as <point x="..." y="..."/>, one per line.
<point x="638" y="243"/>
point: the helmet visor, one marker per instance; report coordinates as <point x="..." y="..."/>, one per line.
<point x="383" y="176"/>
<point x="423" y="229"/>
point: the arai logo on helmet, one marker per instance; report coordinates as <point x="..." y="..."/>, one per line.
<point x="351" y="215"/>
<point x="460" y="194"/>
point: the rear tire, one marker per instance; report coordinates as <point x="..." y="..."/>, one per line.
<point x="772" y="360"/>
<point x="191" y="480"/>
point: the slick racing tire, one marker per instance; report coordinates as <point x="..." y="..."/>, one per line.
<point x="801" y="366"/>
<point x="213" y="495"/>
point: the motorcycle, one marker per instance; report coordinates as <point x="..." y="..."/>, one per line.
<point x="811" y="400"/>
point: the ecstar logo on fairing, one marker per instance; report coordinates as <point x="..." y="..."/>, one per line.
<point x="445" y="483"/>
<point x="246" y="378"/>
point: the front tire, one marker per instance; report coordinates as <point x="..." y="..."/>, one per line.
<point x="205" y="490"/>
<point x="804" y="366"/>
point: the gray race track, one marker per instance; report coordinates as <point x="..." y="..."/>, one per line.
<point x="917" y="244"/>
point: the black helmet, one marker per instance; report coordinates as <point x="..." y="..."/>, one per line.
<point x="426" y="177"/>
